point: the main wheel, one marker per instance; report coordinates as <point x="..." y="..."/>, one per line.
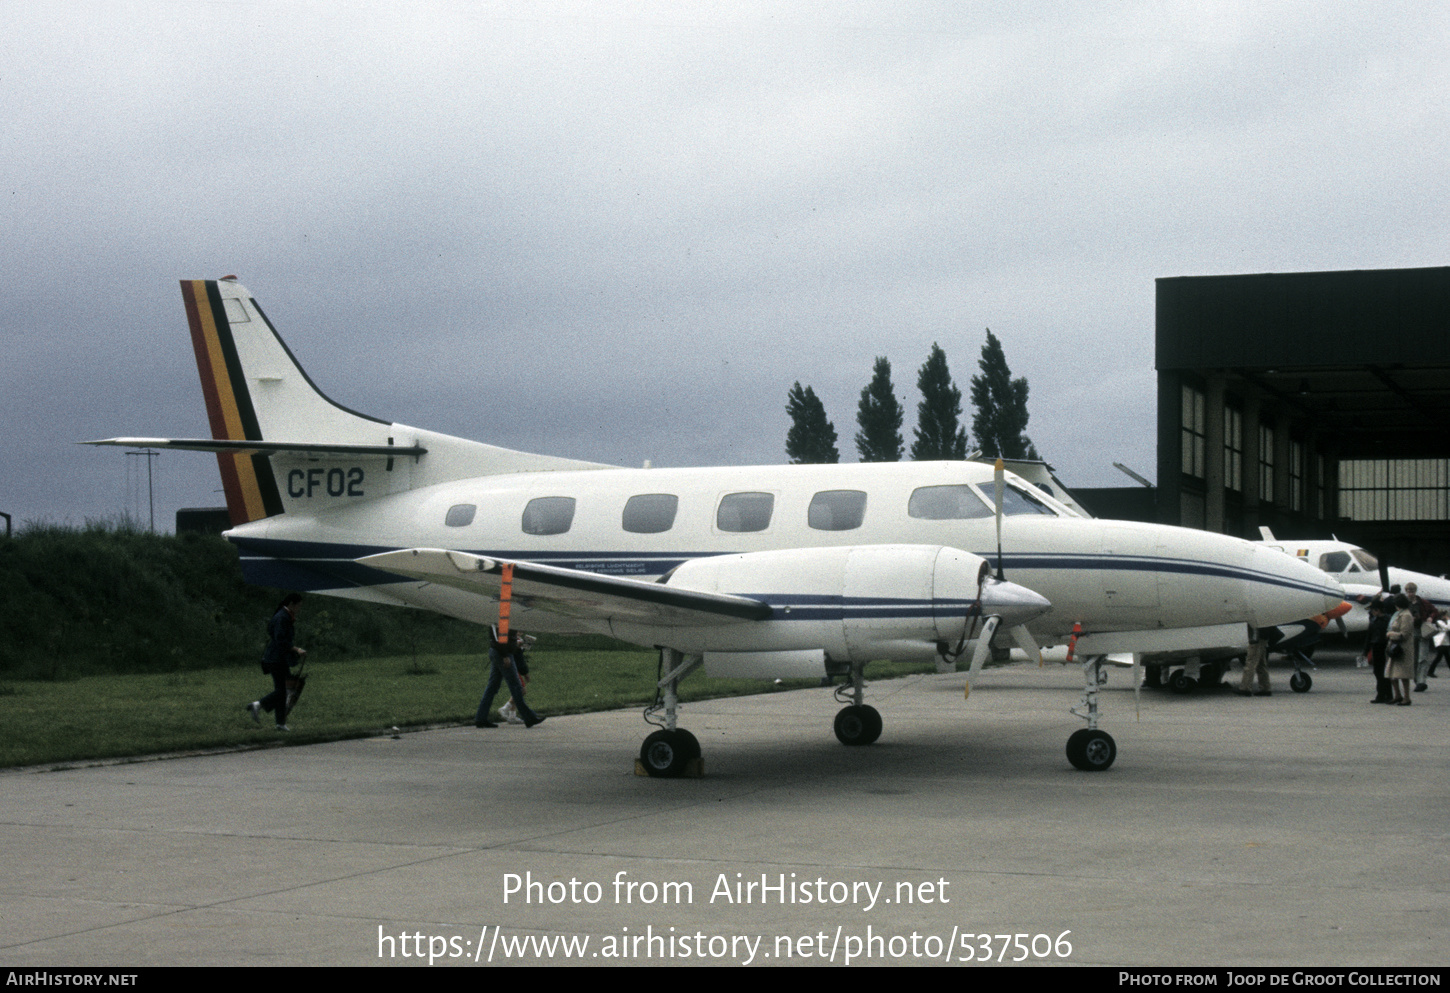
<point x="1300" y="682"/>
<point x="666" y="753"/>
<point x="1182" y="682"/>
<point x="858" y="725"/>
<point x="1091" y="751"/>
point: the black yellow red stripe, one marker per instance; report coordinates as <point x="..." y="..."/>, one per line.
<point x="250" y="488"/>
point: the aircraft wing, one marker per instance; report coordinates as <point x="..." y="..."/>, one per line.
<point x="571" y="592"/>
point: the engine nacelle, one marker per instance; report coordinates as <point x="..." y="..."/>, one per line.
<point x="853" y="603"/>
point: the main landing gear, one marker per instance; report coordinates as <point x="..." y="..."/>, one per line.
<point x="857" y="723"/>
<point x="1090" y="749"/>
<point x="670" y="751"/>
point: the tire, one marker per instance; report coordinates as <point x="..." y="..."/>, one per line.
<point x="1091" y="751"/>
<point x="1300" y="682"/>
<point x="858" y="725"/>
<point x="1182" y="682"/>
<point x="665" y="754"/>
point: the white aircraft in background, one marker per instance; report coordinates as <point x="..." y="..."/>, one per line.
<point x="1361" y="573"/>
<point x="772" y="571"/>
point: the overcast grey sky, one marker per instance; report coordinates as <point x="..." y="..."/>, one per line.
<point x="621" y="231"/>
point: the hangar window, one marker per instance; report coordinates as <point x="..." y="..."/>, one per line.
<point x="741" y="512"/>
<point x="837" y="510"/>
<point x="549" y="515"/>
<point x="1233" y="448"/>
<point x="1195" y="431"/>
<point x="650" y="513"/>
<point x="946" y="503"/>
<point x="1296" y="475"/>
<point x="460" y="515"/>
<point x="1266" y="463"/>
<point x="1394" y="489"/>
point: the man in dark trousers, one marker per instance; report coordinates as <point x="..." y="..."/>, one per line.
<point x="503" y="650"/>
<point x="281" y="654"/>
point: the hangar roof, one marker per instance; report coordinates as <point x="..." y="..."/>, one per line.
<point x="1364" y="354"/>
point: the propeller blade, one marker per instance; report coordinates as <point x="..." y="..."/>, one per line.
<point x="1027" y="643"/>
<point x="1137" y="685"/>
<point x="998" y="481"/>
<point x="983" y="649"/>
<point x="1384" y="577"/>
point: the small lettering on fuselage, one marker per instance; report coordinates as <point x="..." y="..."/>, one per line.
<point x="331" y="482"/>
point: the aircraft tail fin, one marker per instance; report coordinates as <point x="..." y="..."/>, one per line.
<point x="316" y="452"/>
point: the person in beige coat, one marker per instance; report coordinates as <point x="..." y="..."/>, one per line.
<point x="1401" y="637"/>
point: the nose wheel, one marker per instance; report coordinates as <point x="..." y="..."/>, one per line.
<point x="858" y="725"/>
<point x="665" y="754"/>
<point x="1090" y="749"/>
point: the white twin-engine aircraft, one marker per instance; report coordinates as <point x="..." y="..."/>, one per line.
<point x="773" y="571"/>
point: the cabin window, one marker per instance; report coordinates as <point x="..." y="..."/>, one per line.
<point x="1334" y="562"/>
<point x="745" y="512"/>
<point x="946" y="503"/>
<point x="549" y="515"/>
<point x="837" y="510"/>
<point x="1015" y="502"/>
<point x="650" y="513"/>
<point x="460" y="515"/>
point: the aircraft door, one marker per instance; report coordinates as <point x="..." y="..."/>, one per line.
<point x="1130" y="570"/>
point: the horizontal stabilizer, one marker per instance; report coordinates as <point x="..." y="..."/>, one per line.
<point x="571" y="592"/>
<point x="261" y="447"/>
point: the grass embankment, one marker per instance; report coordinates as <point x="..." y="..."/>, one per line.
<point x="115" y="643"/>
<point x="121" y="716"/>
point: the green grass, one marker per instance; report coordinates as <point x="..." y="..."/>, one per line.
<point x="127" y="715"/>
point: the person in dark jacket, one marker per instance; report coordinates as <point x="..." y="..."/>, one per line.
<point x="277" y="661"/>
<point x="1375" y="644"/>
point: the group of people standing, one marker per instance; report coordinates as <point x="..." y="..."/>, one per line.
<point x="1400" y="645"/>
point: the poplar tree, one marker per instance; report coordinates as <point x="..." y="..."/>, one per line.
<point x="938" y="434"/>
<point x="811" y="438"/>
<point x="879" y="418"/>
<point x="1000" y="417"/>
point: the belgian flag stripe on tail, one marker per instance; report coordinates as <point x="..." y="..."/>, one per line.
<point x="247" y="479"/>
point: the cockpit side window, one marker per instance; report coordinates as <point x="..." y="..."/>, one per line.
<point x="1334" y="561"/>
<point x="957" y="502"/>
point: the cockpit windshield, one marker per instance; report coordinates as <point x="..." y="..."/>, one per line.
<point x="1016" y="502"/>
<point x="1370" y="563"/>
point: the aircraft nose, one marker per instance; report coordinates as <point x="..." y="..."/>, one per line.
<point x="1016" y="604"/>
<point x="1287" y="589"/>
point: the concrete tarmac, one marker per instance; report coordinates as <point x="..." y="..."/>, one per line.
<point x="1299" y="829"/>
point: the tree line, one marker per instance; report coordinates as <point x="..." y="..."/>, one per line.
<point x="999" y="418"/>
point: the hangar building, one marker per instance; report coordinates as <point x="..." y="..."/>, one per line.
<point x="1315" y="403"/>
